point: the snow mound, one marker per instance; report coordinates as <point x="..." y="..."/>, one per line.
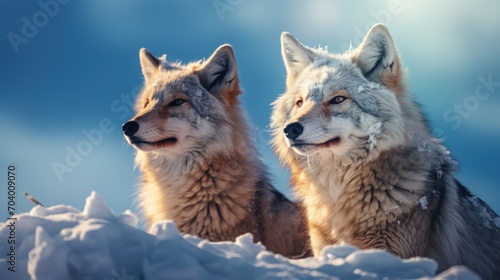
<point x="61" y="242"/>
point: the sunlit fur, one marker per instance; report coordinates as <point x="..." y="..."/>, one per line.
<point x="207" y="176"/>
<point x="385" y="181"/>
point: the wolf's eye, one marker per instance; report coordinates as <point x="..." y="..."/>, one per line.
<point x="177" y="102"/>
<point x="146" y="104"/>
<point x="337" y="100"/>
<point x="299" y="103"/>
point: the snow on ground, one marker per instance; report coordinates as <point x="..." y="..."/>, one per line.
<point x="61" y="242"/>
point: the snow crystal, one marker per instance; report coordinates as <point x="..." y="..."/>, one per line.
<point x="423" y="202"/>
<point x="439" y="173"/>
<point x="322" y="48"/>
<point x="373" y="85"/>
<point x="163" y="58"/>
<point x="373" y="132"/>
<point x="61" y="242"/>
<point x="370" y="85"/>
<point x="497" y="222"/>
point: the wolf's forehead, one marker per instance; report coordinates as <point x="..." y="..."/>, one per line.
<point x="328" y="78"/>
<point x="314" y="84"/>
<point x="188" y="85"/>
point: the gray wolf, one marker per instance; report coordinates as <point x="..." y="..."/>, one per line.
<point x="366" y="165"/>
<point x="197" y="157"/>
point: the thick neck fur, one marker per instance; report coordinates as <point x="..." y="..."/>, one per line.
<point x="329" y="171"/>
<point x="370" y="190"/>
<point x="207" y="193"/>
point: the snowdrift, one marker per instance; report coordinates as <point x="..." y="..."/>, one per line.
<point x="61" y="242"/>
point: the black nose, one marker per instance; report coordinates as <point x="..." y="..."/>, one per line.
<point x="130" y="128"/>
<point x="293" y="130"/>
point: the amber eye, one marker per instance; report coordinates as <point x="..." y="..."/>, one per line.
<point x="337" y="100"/>
<point x="299" y="103"/>
<point x="177" y="102"/>
<point x="146" y="104"/>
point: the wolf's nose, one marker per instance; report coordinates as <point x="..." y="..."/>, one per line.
<point x="130" y="128"/>
<point x="293" y="130"/>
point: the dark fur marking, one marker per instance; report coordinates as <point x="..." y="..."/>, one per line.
<point x="441" y="189"/>
<point x="257" y="209"/>
<point x="372" y="195"/>
<point x="217" y="207"/>
<point x="389" y="195"/>
<point x="343" y="175"/>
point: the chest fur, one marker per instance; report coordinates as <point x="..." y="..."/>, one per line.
<point x="347" y="204"/>
<point x="210" y="199"/>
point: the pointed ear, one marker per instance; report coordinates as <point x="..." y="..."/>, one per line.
<point x="149" y="64"/>
<point x="219" y="73"/>
<point x="378" y="58"/>
<point x="296" y="56"/>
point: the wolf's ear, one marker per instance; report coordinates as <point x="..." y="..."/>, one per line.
<point x="149" y="64"/>
<point x="219" y="73"/>
<point x="296" y="56"/>
<point x="378" y="58"/>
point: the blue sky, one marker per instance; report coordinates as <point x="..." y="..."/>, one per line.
<point x="74" y="72"/>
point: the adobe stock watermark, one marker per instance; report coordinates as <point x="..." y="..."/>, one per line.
<point x="83" y="148"/>
<point x="30" y="26"/>
<point x="383" y="16"/>
<point x="75" y="154"/>
<point x="469" y="104"/>
<point x="223" y="6"/>
<point x="115" y="275"/>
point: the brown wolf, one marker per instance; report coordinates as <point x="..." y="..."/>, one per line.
<point x="197" y="158"/>
<point x="366" y="165"/>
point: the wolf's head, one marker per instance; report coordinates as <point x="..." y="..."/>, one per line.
<point x="343" y="105"/>
<point x="184" y="108"/>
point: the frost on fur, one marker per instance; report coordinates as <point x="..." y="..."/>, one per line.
<point x="373" y="85"/>
<point x="316" y="86"/>
<point x="487" y="218"/>
<point x="373" y="132"/>
<point x="423" y="202"/>
<point x="439" y="173"/>
<point x="370" y="85"/>
<point x="163" y="59"/>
